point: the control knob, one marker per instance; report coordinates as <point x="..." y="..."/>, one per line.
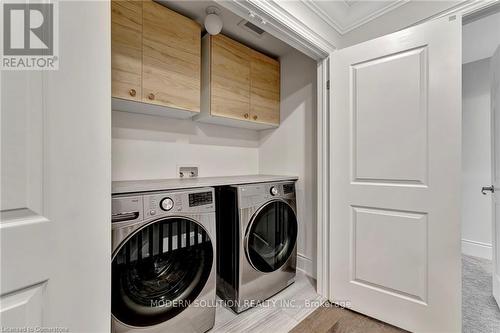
<point x="274" y="191"/>
<point x="166" y="204"/>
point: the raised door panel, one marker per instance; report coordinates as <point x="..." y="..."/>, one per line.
<point x="23" y="308"/>
<point x="230" y="78"/>
<point x="24" y="230"/>
<point x="171" y="58"/>
<point x="126" y="49"/>
<point x="397" y="264"/>
<point x="264" y="89"/>
<point x="389" y="100"/>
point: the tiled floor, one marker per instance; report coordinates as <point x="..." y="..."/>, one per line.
<point x="283" y="311"/>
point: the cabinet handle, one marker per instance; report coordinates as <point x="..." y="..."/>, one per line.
<point x="132" y="92"/>
<point x="254" y="117"/>
<point x="246" y="115"/>
<point x="151" y="96"/>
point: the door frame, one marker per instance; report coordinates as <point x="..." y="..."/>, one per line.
<point x="494" y="224"/>
<point x="283" y="25"/>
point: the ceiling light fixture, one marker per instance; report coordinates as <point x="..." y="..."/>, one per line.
<point x="213" y="22"/>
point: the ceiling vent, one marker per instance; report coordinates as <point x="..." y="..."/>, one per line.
<point x="252" y="28"/>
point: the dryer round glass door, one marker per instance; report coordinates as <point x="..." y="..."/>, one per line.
<point x="271" y="236"/>
<point x="159" y="271"/>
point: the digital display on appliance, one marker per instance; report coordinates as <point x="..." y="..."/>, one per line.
<point x="199" y="199"/>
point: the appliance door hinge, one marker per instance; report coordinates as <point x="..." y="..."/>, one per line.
<point x="328" y="85"/>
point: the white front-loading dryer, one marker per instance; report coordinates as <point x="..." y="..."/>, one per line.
<point x="163" y="264"/>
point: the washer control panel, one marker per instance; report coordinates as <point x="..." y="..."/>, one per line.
<point x="198" y="200"/>
<point x="128" y="208"/>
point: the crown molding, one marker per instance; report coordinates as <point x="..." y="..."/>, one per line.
<point x="271" y="17"/>
<point x="321" y="13"/>
<point x="348" y="4"/>
<point x="376" y="14"/>
<point x="343" y="29"/>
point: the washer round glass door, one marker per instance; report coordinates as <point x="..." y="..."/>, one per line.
<point x="271" y="236"/>
<point x="159" y="271"/>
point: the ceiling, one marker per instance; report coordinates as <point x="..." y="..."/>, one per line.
<point x="347" y="15"/>
<point x="195" y="10"/>
<point x="342" y="16"/>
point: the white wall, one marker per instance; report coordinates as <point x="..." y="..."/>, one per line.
<point x="480" y="38"/>
<point x="291" y="148"/>
<point x="476" y="159"/>
<point x="152" y="147"/>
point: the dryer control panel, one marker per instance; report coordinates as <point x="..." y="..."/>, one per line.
<point x="255" y="194"/>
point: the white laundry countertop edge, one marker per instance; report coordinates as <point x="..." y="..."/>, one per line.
<point x="132" y="186"/>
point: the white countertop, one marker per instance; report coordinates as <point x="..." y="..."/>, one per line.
<point x="130" y="186"/>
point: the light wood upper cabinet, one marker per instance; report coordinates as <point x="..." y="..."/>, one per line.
<point x="264" y="88"/>
<point x="156" y="59"/>
<point x="240" y="86"/>
<point x="171" y="58"/>
<point x="230" y="78"/>
<point x="126" y="49"/>
<point x="159" y="60"/>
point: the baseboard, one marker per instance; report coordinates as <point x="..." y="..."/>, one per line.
<point x="306" y="265"/>
<point x="477" y="249"/>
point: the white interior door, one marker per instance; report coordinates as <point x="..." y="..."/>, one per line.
<point x="495" y="114"/>
<point x="55" y="203"/>
<point x="396" y="170"/>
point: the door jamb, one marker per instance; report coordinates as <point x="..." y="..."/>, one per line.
<point x="323" y="178"/>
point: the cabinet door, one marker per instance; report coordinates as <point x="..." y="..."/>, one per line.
<point x="126" y="49"/>
<point x="264" y="89"/>
<point x="171" y="58"/>
<point x="230" y="78"/>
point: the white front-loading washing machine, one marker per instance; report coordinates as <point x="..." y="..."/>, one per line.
<point x="256" y="241"/>
<point x="164" y="261"/>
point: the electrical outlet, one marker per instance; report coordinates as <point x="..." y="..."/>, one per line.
<point x="188" y="171"/>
